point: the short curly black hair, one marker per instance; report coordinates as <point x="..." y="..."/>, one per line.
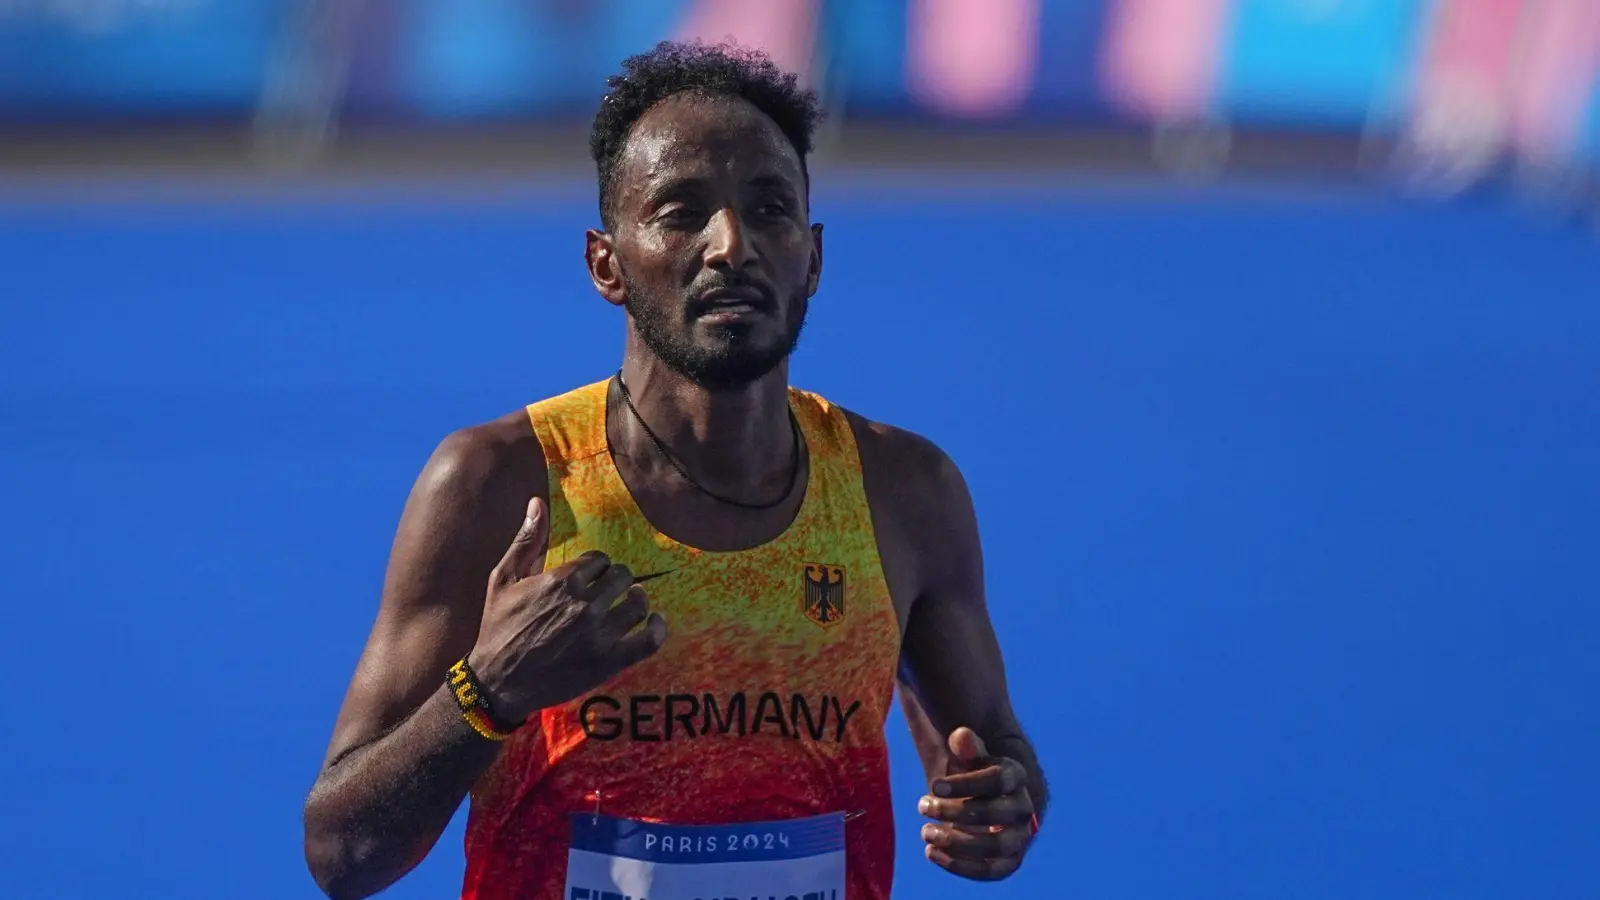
<point x="717" y="70"/>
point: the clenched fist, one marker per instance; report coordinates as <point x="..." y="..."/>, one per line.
<point x="984" y="817"/>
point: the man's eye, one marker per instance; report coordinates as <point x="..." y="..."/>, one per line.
<point x="679" y="215"/>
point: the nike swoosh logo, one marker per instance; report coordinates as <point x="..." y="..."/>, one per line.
<point x="641" y="579"/>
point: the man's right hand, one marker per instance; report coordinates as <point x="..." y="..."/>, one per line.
<point x="549" y="637"/>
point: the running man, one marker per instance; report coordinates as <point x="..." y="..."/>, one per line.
<point x="681" y="597"/>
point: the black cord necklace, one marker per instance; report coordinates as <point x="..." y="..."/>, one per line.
<point x="794" y="467"/>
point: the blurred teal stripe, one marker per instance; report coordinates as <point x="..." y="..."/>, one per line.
<point x="1325" y="63"/>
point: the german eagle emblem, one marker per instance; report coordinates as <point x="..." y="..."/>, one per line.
<point x="823" y="602"/>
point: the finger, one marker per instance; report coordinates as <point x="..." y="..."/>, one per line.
<point x="1012" y="809"/>
<point x="966" y="747"/>
<point x="581" y="572"/>
<point x="606" y="589"/>
<point x="640" y="645"/>
<point x="525" y="557"/>
<point x="627" y="614"/>
<point x="977" y="870"/>
<point x="1004" y="777"/>
<point x="988" y="842"/>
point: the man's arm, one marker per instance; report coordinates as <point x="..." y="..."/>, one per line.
<point x="952" y="675"/>
<point x="402" y="759"/>
<point x="952" y="672"/>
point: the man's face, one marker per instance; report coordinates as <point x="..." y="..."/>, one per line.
<point x="713" y="244"/>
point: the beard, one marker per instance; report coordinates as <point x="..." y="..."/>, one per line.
<point x="728" y="357"/>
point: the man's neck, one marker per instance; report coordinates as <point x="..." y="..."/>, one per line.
<point x="728" y="438"/>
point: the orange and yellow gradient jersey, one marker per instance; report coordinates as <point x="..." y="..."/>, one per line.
<point x="768" y="700"/>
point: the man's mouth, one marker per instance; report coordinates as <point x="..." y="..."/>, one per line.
<point x="731" y="304"/>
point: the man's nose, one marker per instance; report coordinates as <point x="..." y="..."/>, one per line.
<point x="728" y="247"/>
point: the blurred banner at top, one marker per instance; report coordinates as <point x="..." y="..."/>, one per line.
<point x="1461" y="87"/>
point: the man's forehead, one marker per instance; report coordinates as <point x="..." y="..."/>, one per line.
<point x="696" y="136"/>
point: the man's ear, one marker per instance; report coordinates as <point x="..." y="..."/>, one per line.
<point x="600" y="255"/>
<point x="814" y="276"/>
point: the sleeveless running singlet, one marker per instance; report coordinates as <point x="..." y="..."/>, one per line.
<point x="767" y="702"/>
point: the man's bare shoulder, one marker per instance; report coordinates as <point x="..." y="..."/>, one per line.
<point x="903" y="469"/>
<point x="499" y="462"/>
<point x="921" y="509"/>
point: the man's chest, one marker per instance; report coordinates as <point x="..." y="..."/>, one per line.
<point x="760" y="646"/>
<point x="778" y="609"/>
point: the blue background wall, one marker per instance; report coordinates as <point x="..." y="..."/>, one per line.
<point x="1291" y="507"/>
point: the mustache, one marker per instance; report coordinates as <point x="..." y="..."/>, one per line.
<point x="760" y="292"/>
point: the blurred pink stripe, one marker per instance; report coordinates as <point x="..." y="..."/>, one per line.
<point x="1461" y="99"/>
<point x="972" y="57"/>
<point x="1469" y="49"/>
<point x="1162" y="56"/>
<point x="784" y="29"/>
<point x="1557" y="61"/>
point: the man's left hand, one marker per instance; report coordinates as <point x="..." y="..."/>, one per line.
<point x="984" y="818"/>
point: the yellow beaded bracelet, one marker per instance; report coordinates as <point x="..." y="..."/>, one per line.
<point x="474" y="706"/>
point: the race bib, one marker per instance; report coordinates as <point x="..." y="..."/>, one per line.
<point x="620" y="859"/>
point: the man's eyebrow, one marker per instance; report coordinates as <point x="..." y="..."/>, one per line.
<point x="657" y="191"/>
<point x="773" y="182"/>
